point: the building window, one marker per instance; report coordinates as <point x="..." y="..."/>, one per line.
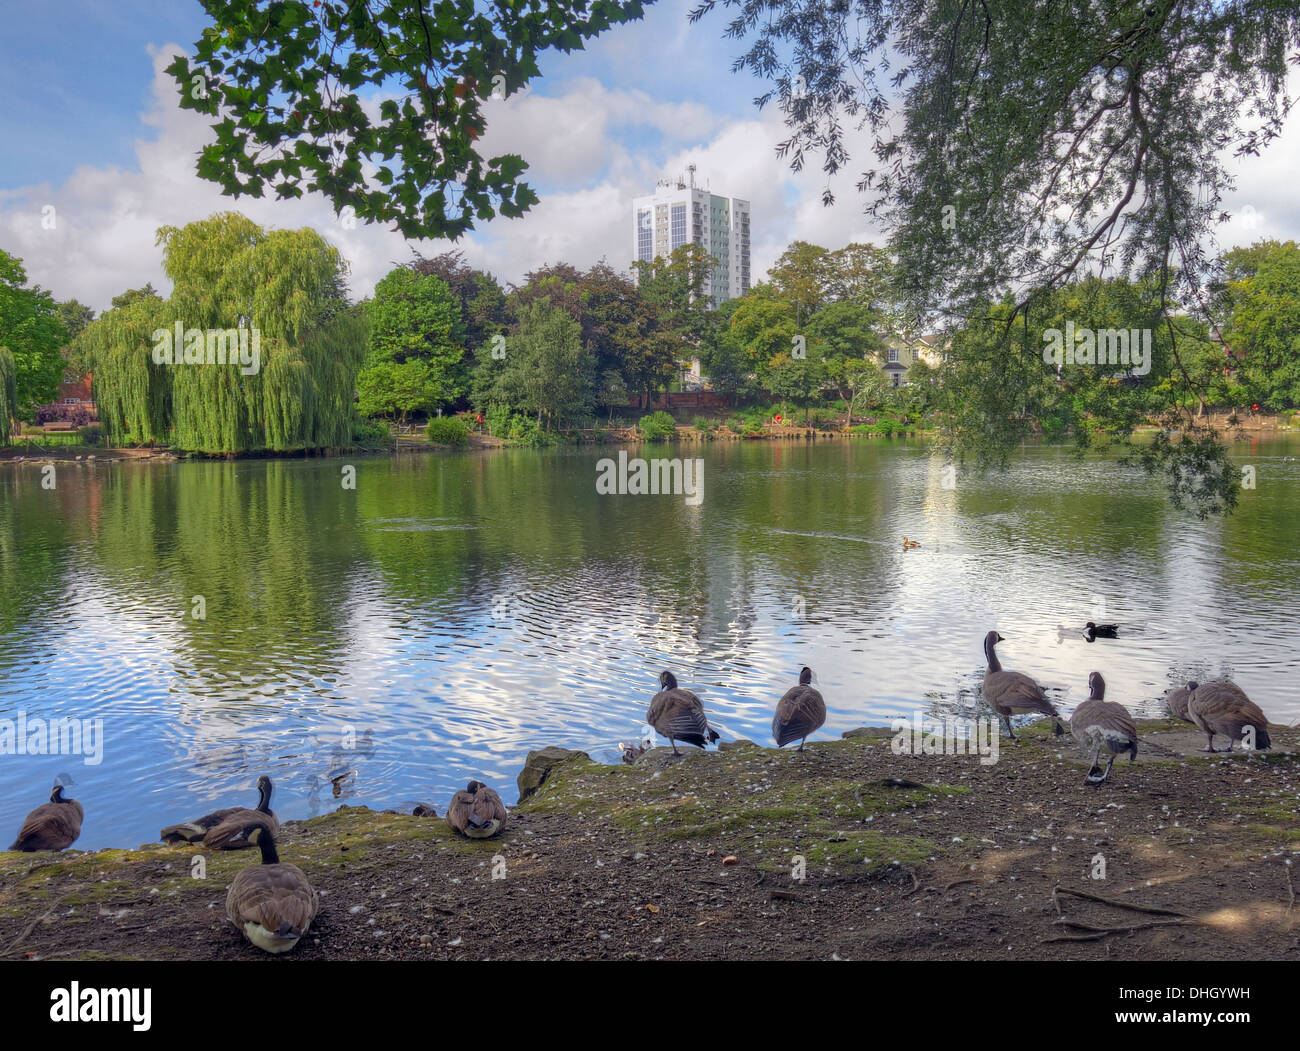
<point x="678" y="226"/>
<point x="893" y="356"/>
<point x="644" y="235"/>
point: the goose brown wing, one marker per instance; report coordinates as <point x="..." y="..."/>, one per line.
<point x="278" y="897"/>
<point x="488" y="806"/>
<point x="458" y="810"/>
<point x="232" y="832"/>
<point x="1224" y="704"/>
<point x="1177" y="701"/>
<point x="801" y="711"/>
<point x="51" y="826"/>
<point x="1013" y="691"/>
<point x="677" y="713"/>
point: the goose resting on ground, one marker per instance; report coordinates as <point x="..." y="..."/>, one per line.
<point x="273" y="903"/>
<point x="476" y="811"/>
<point x="233" y="838"/>
<point x="51" y="826"/>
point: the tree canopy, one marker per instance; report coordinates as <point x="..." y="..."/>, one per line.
<point x="375" y="105"/>
<point x="1020" y="147"/>
<point x="281" y="291"/>
<point x="31" y="333"/>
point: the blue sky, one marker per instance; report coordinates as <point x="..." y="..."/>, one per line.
<point x="80" y="101"/>
<point x="93" y="135"/>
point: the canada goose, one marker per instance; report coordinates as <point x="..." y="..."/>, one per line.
<point x="798" y="713"/>
<point x="193" y="831"/>
<point x="1103" y="724"/>
<point x="677" y="714"/>
<point x="424" y="810"/>
<point x="1223" y="708"/>
<point x="477" y="811"/>
<point x="908" y="544"/>
<point x="1177" y="701"/>
<point x="1011" y="692"/>
<point x="1093" y="631"/>
<point x="51" y="826"/>
<point x="272" y="903"/>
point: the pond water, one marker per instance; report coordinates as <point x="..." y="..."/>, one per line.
<point x="454" y="611"/>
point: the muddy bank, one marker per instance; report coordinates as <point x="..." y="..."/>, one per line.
<point x="924" y="857"/>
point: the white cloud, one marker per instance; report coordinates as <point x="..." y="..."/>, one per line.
<point x="577" y="142"/>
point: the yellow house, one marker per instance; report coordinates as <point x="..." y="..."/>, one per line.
<point x="901" y="351"/>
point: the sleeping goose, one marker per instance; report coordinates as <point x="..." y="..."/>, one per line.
<point x="1011" y="692"/>
<point x="677" y="714"/>
<point x="1099" y="723"/>
<point x="1223" y="708"/>
<point x="196" y="830"/>
<point x="1093" y="631"/>
<point x="476" y="811"/>
<point x="1177" y="701"/>
<point x="51" y="826"/>
<point x="798" y="713"/>
<point x="273" y="903"/>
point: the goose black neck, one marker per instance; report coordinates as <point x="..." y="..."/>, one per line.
<point x="266" y="843"/>
<point x="991" y="654"/>
<point x="264" y="797"/>
<point x="805" y="677"/>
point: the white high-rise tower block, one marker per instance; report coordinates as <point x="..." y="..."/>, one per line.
<point x="679" y="212"/>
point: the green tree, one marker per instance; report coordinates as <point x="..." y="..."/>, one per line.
<point x="387" y="388"/>
<point x="763" y="326"/>
<point x="417" y="348"/>
<point x="801" y="277"/>
<point x="547" y="370"/>
<point x="1018" y="146"/>
<point x="481" y="298"/>
<point x="283" y="288"/>
<point x="1265" y="330"/>
<point x="798" y="379"/>
<point x="289" y="85"/>
<point x="32" y="332"/>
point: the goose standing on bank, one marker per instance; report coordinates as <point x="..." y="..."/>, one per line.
<point x="1223" y="708"/>
<point x="476" y="811"/>
<point x="678" y="714"/>
<point x="1013" y="693"/>
<point x="273" y="903"/>
<point x="196" y="830"/>
<point x="1098" y="723"/>
<point x="51" y="826"/>
<point x="798" y="713"/>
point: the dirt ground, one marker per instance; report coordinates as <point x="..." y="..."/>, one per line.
<point x="913" y="857"/>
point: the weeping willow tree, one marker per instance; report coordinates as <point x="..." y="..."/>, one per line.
<point x="255" y="350"/>
<point x="8" y="392"/>
<point x="132" y="394"/>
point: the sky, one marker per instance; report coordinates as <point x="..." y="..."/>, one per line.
<point x="91" y="129"/>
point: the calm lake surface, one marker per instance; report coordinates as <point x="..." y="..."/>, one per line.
<point x="454" y="611"/>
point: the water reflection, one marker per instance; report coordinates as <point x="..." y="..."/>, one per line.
<point x="385" y="644"/>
